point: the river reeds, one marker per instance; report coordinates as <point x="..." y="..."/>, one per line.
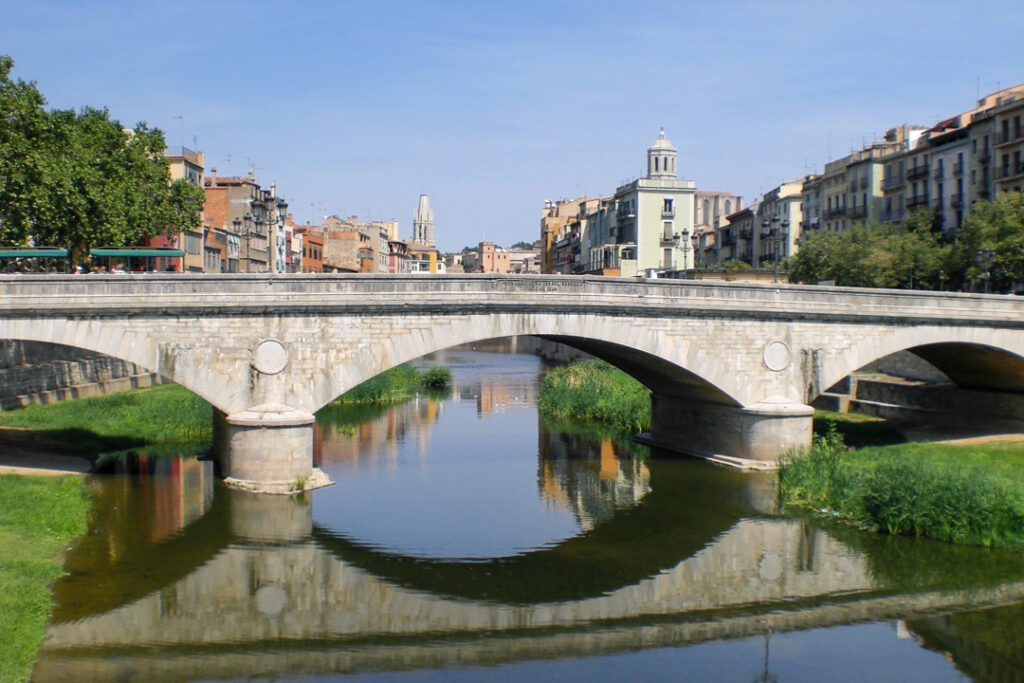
<point x="970" y="494"/>
<point x="398" y="384"/>
<point x="596" y="391"/>
<point x="38" y="517"/>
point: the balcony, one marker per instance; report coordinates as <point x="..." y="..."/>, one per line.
<point x="892" y="182"/>
<point x="852" y="187"/>
<point x="917" y="201"/>
<point x="958" y="168"/>
<point x="916" y="172"/>
<point x="864" y="183"/>
<point x="857" y="211"/>
<point x="957" y="200"/>
<point x="984" y="156"/>
<point x="1003" y="139"/>
<point x="668" y="240"/>
<point x="1011" y="172"/>
<point x="835" y="211"/>
<point x="671" y="213"/>
<point x="939" y="173"/>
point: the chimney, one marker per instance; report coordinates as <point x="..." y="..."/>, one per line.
<point x="213" y="177"/>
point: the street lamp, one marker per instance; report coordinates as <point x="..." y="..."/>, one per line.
<point x="686" y="247"/>
<point x="237" y="223"/>
<point x="986" y="257"/>
<point x="248" y="234"/>
<point x="775" y="231"/>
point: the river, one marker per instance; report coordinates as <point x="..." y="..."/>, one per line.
<point x="466" y="540"/>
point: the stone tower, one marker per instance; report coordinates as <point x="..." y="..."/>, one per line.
<point x="423" y="223"/>
<point x="661" y="158"/>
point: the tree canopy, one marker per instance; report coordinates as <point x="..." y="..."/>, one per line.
<point x="915" y="255"/>
<point x="78" y="179"/>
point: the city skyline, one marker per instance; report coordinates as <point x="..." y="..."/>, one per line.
<point x="490" y="109"/>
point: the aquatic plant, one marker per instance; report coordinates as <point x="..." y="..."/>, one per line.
<point x="972" y="494"/>
<point x="596" y="391"/>
<point x="398" y="384"/>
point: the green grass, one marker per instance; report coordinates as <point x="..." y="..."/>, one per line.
<point x="168" y="415"/>
<point x="38" y="517"/>
<point x="398" y="384"/>
<point x="967" y="494"/>
<point x="598" y="392"/>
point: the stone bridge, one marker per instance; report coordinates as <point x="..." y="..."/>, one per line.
<point x="731" y="366"/>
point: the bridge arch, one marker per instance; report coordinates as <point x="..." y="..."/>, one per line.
<point x="677" y="366"/>
<point x="971" y="357"/>
<point x="114" y="340"/>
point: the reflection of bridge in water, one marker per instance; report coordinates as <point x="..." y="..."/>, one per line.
<point x="255" y="588"/>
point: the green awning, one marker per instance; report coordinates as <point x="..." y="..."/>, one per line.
<point x="127" y="252"/>
<point x="33" y="252"/>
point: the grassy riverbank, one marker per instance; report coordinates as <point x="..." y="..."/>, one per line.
<point x="595" y="391"/>
<point x="167" y="415"/>
<point x="971" y="494"/>
<point x="396" y="385"/>
<point x="38" y="517"/>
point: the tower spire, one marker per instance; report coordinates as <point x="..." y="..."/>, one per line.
<point x="423" y="223"/>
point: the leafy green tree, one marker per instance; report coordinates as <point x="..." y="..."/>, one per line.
<point x="910" y="256"/>
<point x="993" y="231"/>
<point x="79" y="179"/>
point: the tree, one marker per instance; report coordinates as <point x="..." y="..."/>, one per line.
<point x="992" y="230"/>
<point x="910" y="256"/>
<point x="79" y="179"/>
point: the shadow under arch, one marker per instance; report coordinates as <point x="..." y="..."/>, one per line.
<point x="682" y="514"/>
<point x="975" y="366"/>
<point x="659" y="375"/>
<point x="53" y="335"/>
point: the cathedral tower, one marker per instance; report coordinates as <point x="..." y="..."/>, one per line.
<point x="423" y="223"/>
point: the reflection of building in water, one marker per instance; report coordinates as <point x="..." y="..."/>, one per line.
<point x="355" y="434"/>
<point x="180" y="489"/>
<point x="589" y="478"/>
<point x="494" y="394"/>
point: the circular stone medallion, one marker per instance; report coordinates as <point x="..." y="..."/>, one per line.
<point x="270" y="357"/>
<point x="776" y="356"/>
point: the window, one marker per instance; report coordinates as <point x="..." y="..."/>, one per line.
<point x="667" y="230"/>
<point x="666" y="206"/>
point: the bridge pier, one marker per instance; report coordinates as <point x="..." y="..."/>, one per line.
<point x="751" y="437"/>
<point x="267" y="449"/>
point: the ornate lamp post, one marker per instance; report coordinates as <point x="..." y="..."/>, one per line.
<point x="248" y="235"/>
<point x="237" y="224"/>
<point x="776" y="231"/>
<point x="986" y="257"/>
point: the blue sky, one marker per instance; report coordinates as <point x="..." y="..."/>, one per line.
<point x="493" y="107"/>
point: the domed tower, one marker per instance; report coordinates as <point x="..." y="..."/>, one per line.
<point x="661" y="158"/>
<point x="423" y="223"/>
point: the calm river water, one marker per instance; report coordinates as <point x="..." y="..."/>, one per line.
<point x="465" y="540"/>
